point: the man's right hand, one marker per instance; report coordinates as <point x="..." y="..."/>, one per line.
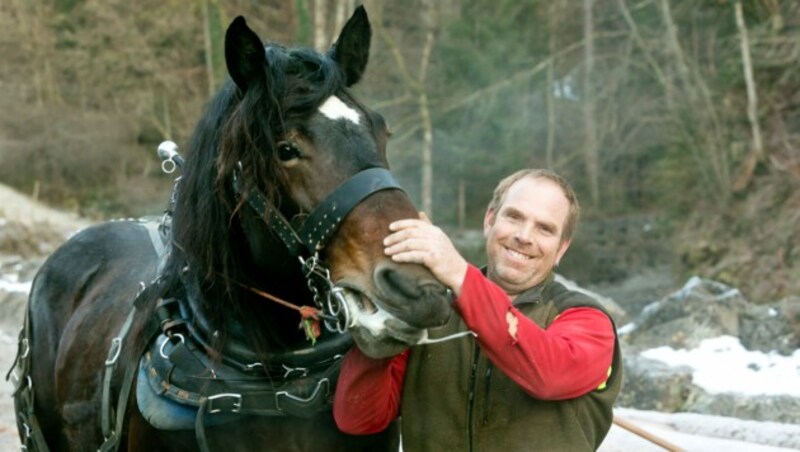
<point x="421" y="242"/>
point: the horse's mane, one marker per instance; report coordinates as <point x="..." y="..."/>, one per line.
<point x="239" y="127"/>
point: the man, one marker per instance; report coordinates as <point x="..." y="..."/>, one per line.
<point x="543" y="369"/>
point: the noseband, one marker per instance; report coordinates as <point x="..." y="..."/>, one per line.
<point x="322" y="223"/>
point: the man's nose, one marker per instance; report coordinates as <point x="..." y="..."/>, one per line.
<point x="524" y="234"/>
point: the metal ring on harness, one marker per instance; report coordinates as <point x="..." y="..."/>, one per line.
<point x="167" y="339"/>
<point x="168" y="166"/>
<point x="342" y="312"/>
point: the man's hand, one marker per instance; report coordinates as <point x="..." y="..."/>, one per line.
<point x="420" y="242"/>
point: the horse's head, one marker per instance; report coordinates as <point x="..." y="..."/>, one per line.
<point x="290" y="136"/>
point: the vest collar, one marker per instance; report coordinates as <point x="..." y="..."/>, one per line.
<point x="533" y="295"/>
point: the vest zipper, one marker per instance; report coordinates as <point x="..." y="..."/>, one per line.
<point x="473" y="383"/>
<point x="487" y="381"/>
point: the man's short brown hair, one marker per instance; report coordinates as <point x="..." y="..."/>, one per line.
<point x="574" y="206"/>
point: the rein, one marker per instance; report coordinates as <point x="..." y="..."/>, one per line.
<point x="310" y="316"/>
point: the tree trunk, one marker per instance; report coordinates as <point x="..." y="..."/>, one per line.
<point x="757" y="150"/>
<point x="427" y="127"/>
<point x="590" y="126"/>
<point x="209" y="49"/>
<point x="550" y="85"/>
<point x="320" y="33"/>
<point x="462" y="204"/>
<point x="343" y="10"/>
<point x="416" y="87"/>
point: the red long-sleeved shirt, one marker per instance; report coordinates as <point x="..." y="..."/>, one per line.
<point x="578" y="343"/>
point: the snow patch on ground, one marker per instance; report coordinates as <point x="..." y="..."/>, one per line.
<point x="723" y="365"/>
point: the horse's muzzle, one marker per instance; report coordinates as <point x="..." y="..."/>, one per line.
<point x="411" y="294"/>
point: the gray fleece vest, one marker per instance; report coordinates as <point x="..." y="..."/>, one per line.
<point x="455" y="400"/>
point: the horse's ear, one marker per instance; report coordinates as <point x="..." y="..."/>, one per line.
<point x="244" y="54"/>
<point x="351" y="49"/>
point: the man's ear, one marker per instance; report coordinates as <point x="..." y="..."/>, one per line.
<point x="488" y="222"/>
<point x="562" y="248"/>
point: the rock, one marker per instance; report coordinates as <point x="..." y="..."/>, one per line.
<point x="706" y="309"/>
<point x="783" y="409"/>
<point x="772" y="327"/>
<point x="617" y="313"/>
<point x="652" y="385"/>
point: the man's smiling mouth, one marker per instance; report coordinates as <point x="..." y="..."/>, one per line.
<point x="517" y="255"/>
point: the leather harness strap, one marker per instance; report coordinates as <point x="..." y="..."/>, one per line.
<point x="19" y="374"/>
<point x="322" y="223"/>
<point x="116" y="415"/>
<point x="112" y="438"/>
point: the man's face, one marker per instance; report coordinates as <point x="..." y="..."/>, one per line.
<point x="523" y="237"/>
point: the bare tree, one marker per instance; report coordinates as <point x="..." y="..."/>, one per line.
<point x="320" y="20"/>
<point x="757" y="150"/>
<point x="590" y="126"/>
<point x="214" y="25"/>
<point x="416" y="86"/>
<point x="554" y="10"/>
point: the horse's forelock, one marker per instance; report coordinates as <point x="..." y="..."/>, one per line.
<point x="307" y="79"/>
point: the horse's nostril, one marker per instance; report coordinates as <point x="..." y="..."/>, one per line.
<point x="398" y="283"/>
<point x="413" y="296"/>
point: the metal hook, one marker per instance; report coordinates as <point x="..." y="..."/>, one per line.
<point x="167" y="339"/>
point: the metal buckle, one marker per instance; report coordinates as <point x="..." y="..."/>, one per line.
<point x="290" y="370"/>
<point x="236" y="404"/>
<point x="291" y="396"/>
<point x="26" y="346"/>
<point x="114" y="350"/>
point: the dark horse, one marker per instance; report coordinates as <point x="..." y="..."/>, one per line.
<point x="182" y="333"/>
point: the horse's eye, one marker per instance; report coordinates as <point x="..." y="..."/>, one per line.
<point x="287" y="151"/>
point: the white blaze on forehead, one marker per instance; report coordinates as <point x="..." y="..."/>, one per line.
<point x="335" y="109"/>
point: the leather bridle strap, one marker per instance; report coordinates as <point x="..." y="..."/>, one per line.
<point x="323" y="222"/>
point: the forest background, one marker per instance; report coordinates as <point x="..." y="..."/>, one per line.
<point x="678" y="121"/>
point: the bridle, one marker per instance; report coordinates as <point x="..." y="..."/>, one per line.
<point x="306" y="241"/>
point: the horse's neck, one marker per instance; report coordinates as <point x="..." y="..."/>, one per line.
<point x="261" y="314"/>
